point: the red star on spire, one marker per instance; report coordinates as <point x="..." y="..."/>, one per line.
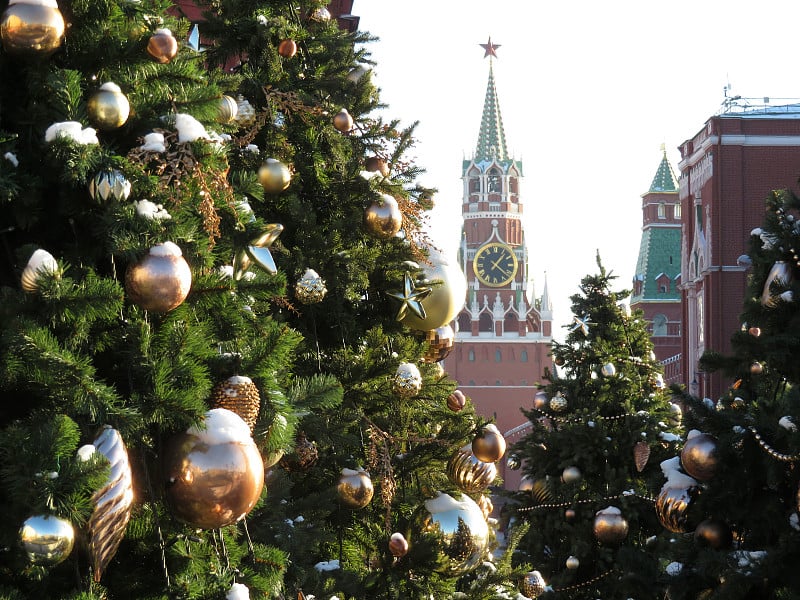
<point x="490" y="48"/>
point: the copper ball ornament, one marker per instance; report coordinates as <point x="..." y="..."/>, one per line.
<point x="672" y="507"/>
<point x="46" y="539"/>
<point x="440" y="343"/>
<point x="699" y="456"/>
<point x="398" y="545"/>
<point x="213" y="476"/>
<point x="162" y="46"/>
<point x="240" y="395"/>
<point x="32" y="28"/>
<point x="310" y="288"/>
<point x="354" y="488"/>
<point x="456" y="401"/>
<point x="108" y="107"/>
<point x="342" y="121"/>
<point x="456" y="528"/>
<point x="287" y="48"/>
<point x="376" y="164"/>
<point x="714" y="534"/>
<point x="383" y="219"/>
<point x="160" y="281"/>
<point x="109" y="184"/>
<point x="274" y="176"/>
<point x="407" y="380"/>
<point x="448" y="293"/>
<point x="569" y="514"/>
<point x="610" y="527"/>
<point x="489" y="445"/>
<point x="468" y="473"/>
<point x="533" y="585"/>
<point x="227" y="109"/>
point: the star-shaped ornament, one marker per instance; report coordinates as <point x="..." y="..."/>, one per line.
<point x="411" y="298"/>
<point x="582" y="324"/>
<point x="489" y="48"/>
<point x="257" y="251"/>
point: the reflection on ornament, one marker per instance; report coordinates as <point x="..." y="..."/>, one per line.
<point x="573" y="563"/>
<point x="240" y="395"/>
<point x="713" y="533"/>
<point x="571" y="475"/>
<point x="469" y="473"/>
<point x="699" y="455"/>
<point x="455" y="528"/>
<point x="112" y="503"/>
<point x="456" y="401"/>
<point x="108" y="107"/>
<point x="213" y="474"/>
<point x="46" y="539"/>
<point x="672" y="506"/>
<point x="161" y="280"/>
<point x="407" y="380"/>
<point x="287" y="48"/>
<point x="41" y="263"/>
<point x="342" y="121"/>
<point x="32" y="28"/>
<point x="489" y="445"/>
<point x="257" y="251"/>
<point x="533" y="585"/>
<point x="310" y="288"/>
<point x="448" y="294"/>
<point x="410" y="298"/>
<point x="780" y="277"/>
<point x="383" y="218"/>
<point x="610" y="527"/>
<point x="354" y="488"/>
<point x="109" y="184"/>
<point x="440" y="343"/>
<point x="398" y="545"/>
<point x="228" y="109"/>
<point x="274" y="176"/>
<point x="162" y="46"/>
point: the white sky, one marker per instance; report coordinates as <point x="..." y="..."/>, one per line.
<point x="588" y="93"/>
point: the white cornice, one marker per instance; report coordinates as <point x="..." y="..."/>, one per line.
<point x="775" y="141"/>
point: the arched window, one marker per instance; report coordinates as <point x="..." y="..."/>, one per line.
<point x="485" y="322"/>
<point x="464" y="322"/>
<point x="523" y="356"/>
<point x="471" y="355"/>
<point x="659" y="325"/>
<point x="498" y="356"/>
<point x="495" y="181"/>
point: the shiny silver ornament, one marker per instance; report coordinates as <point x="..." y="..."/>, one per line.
<point x="541" y="401"/>
<point x="109" y="184"/>
<point x="468" y="473"/>
<point x="608" y="370"/>
<point x="779" y="276"/>
<point x="321" y="15"/>
<point x="342" y="121"/>
<point x="228" y="109"/>
<point x="456" y="401"/>
<point x="310" y="288"/>
<point x="512" y="462"/>
<point x="355" y="488"/>
<point x="46" y="539"/>
<point x="398" y="545"/>
<point x="407" y="380"/>
<point x="533" y="585"/>
<point x="245" y="113"/>
<point x="41" y="263"/>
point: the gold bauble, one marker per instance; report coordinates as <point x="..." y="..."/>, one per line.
<point x="287" y="48"/>
<point x="274" y="176"/>
<point x="558" y="403"/>
<point x="240" y="395"/>
<point x="610" y="527"/>
<point x="448" y="294"/>
<point x="489" y="445"/>
<point x="109" y="184"/>
<point x="573" y="563"/>
<point x="713" y="533"/>
<point x="46" y="539"/>
<point x="672" y="507"/>
<point x="383" y="219"/>
<point x="456" y="401"/>
<point x="228" y="109"/>
<point x="533" y="585"/>
<point x="699" y="456"/>
<point x="398" y="545"/>
<point x="213" y="476"/>
<point x="407" y="380"/>
<point x="108" y="107"/>
<point x="455" y="528"/>
<point x="32" y="29"/>
<point x="343" y="121"/>
<point x="440" y="343"/>
<point x="310" y="288"/>
<point x="161" y="280"/>
<point x="354" y="488"/>
<point x="40" y="264"/>
<point x="468" y="473"/>
<point x="162" y="46"/>
<point x="375" y="164"/>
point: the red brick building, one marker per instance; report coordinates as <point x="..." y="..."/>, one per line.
<point x="727" y="169"/>
<point x="503" y="335"/>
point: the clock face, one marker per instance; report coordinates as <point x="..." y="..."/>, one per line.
<point x="495" y="264"/>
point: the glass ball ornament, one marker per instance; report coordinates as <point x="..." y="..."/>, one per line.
<point x="398" y="545"/>
<point x="541" y="401"/>
<point x="162" y="46"/>
<point x="227" y="109"/>
<point x="489" y="445"/>
<point x="160" y="281"/>
<point x="569" y="515"/>
<point x="321" y="15"/>
<point x="713" y="533"/>
<point x="455" y="529"/>
<point x="274" y="176"/>
<point x="456" y="401"/>
<point x="448" y="293"/>
<point x="780" y="277"/>
<point x="32" y="28"/>
<point x="310" y="288"/>
<point x="46" y="539"/>
<point x="558" y="403"/>
<point x="573" y="563"/>
<point x="109" y="184"/>
<point x="407" y="380"/>
<point x="108" y="107"/>
<point x="354" y="488"/>
<point x="608" y="370"/>
<point x="513" y="462"/>
<point x="699" y="456"/>
<point x="571" y="475"/>
<point x="675" y="414"/>
<point x="672" y="507"/>
<point x="343" y="121"/>
<point x="383" y="219"/>
<point x="213" y="474"/>
<point x="440" y="343"/>
<point x="756" y="368"/>
<point x="533" y="585"/>
<point x="468" y="473"/>
<point x="40" y="264"/>
<point x="287" y="48"/>
<point x="610" y="527"/>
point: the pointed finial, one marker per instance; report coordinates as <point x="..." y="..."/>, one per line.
<point x="663" y="148"/>
<point x="489" y="48"/>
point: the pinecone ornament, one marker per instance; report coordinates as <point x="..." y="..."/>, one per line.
<point x="641" y="454"/>
<point x="240" y="395"/>
<point x="304" y="456"/>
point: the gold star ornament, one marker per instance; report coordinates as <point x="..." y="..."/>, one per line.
<point x="257" y="251"/>
<point x="411" y="298"/>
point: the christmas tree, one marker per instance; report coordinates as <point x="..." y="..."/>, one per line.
<point x="600" y="426"/>
<point x="731" y="496"/>
<point x="222" y="319"/>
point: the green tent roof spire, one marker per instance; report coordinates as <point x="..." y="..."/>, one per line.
<point x="492" y="137"/>
<point x="664" y="181"/>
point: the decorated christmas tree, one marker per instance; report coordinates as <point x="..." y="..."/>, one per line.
<point x="599" y="429"/>
<point x="731" y="496"/>
<point x="222" y="320"/>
